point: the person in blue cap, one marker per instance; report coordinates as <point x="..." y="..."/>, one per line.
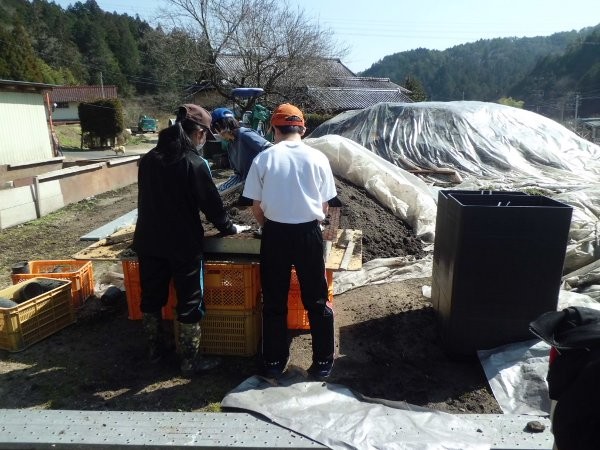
<point x="244" y="145"/>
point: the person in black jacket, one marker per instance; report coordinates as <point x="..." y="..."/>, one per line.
<point x="174" y="186"/>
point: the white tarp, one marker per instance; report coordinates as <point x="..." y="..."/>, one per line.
<point x="335" y="417"/>
<point x="478" y="139"/>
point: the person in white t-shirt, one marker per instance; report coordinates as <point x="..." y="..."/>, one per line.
<point x="290" y="184"/>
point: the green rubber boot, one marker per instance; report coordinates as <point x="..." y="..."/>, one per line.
<point x="152" y="323"/>
<point x="189" y="344"/>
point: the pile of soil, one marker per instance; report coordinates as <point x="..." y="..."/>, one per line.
<point x="386" y="335"/>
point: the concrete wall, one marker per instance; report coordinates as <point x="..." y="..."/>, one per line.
<point x="21" y="174"/>
<point x="44" y="193"/>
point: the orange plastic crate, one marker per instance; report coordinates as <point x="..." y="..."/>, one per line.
<point x="36" y="318"/>
<point x="297" y="318"/>
<point x="233" y="287"/>
<point x="133" y="291"/>
<point x="80" y="273"/>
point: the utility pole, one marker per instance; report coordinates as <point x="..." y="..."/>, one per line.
<point x="576" y="107"/>
<point x="101" y="85"/>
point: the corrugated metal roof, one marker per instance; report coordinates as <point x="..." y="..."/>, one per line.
<point x="81" y="93"/>
<point x="24" y="84"/>
<point x="592" y="122"/>
<point x="337" y="99"/>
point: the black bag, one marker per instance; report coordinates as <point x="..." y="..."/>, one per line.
<point x="573" y="375"/>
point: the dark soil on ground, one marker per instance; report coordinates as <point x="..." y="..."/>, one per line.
<point x="387" y="339"/>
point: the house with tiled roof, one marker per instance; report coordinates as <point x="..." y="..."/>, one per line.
<point x="346" y="93"/>
<point x="65" y="100"/>
<point x="330" y="88"/>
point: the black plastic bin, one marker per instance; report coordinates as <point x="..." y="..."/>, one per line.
<point x="442" y="250"/>
<point x="499" y="265"/>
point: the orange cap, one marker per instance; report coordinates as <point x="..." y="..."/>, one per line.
<point x="286" y="115"/>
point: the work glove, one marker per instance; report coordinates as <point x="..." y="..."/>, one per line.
<point x="240" y="228"/>
<point x="258" y="232"/>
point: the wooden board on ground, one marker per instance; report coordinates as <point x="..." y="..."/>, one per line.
<point x="110" y="248"/>
<point x="346" y="250"/>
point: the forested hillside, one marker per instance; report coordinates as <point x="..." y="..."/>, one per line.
<point x="42" y="42"/>
<point x="560" y="84"/>
<point x="540" y="69"/>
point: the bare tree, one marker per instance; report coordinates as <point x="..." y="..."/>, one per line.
<point x="256" y="43"/>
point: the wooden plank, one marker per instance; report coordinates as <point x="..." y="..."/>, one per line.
<point x="339" y="249"/>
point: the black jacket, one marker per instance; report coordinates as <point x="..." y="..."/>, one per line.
<point x="171" y="195"/>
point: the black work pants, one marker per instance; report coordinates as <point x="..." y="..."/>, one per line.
<point x="187" y="274"/>
<point x="300" y="245"/>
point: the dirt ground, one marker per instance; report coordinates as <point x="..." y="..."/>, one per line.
<point x="387" y="337"/>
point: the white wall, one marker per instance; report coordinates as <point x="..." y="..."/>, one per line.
<point x="71" y="113"/>
<point x="24" y="134"/>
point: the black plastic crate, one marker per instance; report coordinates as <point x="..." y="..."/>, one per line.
<point x="499" y="267"/>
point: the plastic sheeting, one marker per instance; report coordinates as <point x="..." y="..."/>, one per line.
<point x="478" y="139"/>
<point x="333" y="416"/>
<point x="383" y="270"/>
<point x="407" y="196"/>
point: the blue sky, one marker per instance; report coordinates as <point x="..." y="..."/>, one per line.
<point x="375" y="28"/>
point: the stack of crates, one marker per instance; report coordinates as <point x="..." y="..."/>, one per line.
<point x="232" y="324"/>
<point x="297" y="316"/>
<point x="32" y="320"/>
<point x="80" y="273"/>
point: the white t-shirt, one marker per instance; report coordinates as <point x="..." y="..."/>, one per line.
<point x="292" y="181"/>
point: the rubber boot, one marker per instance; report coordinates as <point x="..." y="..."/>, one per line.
<point x="189" y="346"/>
<point x="152" y="323"/>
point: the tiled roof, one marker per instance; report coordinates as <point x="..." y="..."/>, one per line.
<point x="232" y="66"/>
<point x="338" y="99"/>
<point x="365" y="82"/>
<point x="81" y="93"/>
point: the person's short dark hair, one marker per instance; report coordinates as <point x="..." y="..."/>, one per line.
<point x="289" y="129"/>
<point x="225" y="124"/>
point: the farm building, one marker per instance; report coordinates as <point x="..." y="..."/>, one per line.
<point x="24" y="133"/>
<point x="66" y="99"/>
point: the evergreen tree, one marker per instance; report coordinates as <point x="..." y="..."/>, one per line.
<point x="416" y="88"/>
<point x="20" y="61"/>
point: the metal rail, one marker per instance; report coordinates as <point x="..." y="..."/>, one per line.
<point x="58" y="429"/>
